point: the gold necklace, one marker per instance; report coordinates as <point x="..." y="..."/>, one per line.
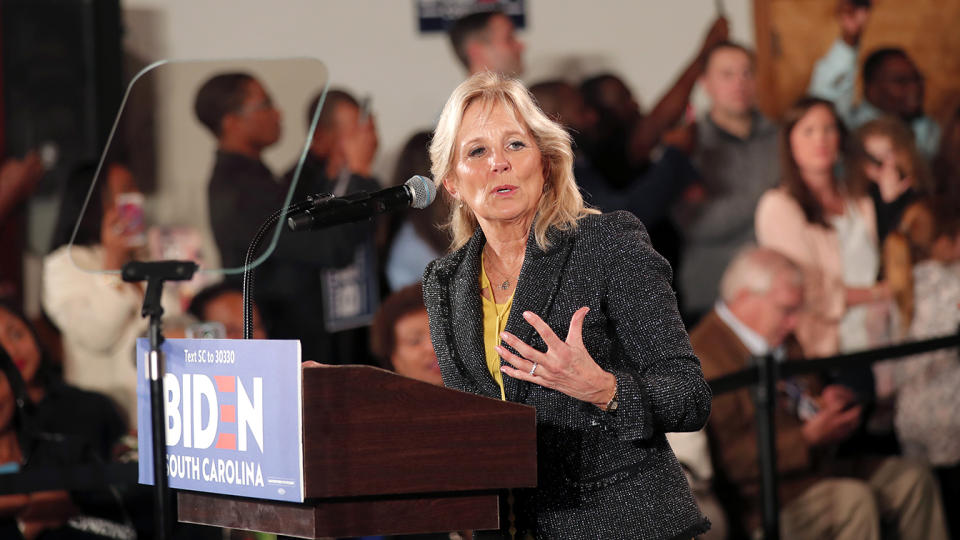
<point x="505" y="284"/>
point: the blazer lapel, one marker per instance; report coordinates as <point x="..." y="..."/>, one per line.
<point x="466" y="319"/>
<point x="536" y="291"/>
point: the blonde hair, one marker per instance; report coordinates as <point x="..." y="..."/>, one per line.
<point x="561" y="204"/>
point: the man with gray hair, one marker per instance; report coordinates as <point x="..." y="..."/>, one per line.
<point x="762" y="294"/>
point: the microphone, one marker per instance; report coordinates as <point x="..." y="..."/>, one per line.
<point x="417" y="192"/>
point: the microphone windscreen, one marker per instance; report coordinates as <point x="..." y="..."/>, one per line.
<point x="422" y="191"/>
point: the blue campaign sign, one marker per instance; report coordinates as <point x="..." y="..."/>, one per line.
<point x="233" y="420"/>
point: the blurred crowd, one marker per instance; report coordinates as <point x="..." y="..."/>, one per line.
<point x="833" y="229"/>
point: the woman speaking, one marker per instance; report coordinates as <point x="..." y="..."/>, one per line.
<point x="548" y="303"/>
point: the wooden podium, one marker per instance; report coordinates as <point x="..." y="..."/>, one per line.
<point x="385" y="454"/>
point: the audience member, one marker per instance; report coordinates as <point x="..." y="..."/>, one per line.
<point x="45" y="423"/>
<point x="622" y="148"/>
<point x="924" y="386"/>
<point x="761" y="300"/>
<point x="626" y="136"/>
<point x="98" y="313"/>
<point x="735" y="153"/>
<point x="887" y="162"/>
<point x="825" y="227"/>
<point x="400" y="336"/>
<point x="243" y="193"/>
<point x="921" y="261"/>
<point x="487" y="40"/>
<point x="237" y="110"/>
<point x="329" y="305"/>
<point x="413" y="238"/>
<point x="648" y="196"/>
<point x="223" y="303"/>
<point x="400" y="340"/>
<point x="891" y="82"/>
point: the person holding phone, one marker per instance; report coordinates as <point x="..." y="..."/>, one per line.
<point x="331" y="300"/>
<point x="99" y="314"/>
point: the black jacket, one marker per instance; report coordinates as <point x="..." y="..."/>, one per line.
<point x="242" y="194"/>
<point x="601" y="475"/>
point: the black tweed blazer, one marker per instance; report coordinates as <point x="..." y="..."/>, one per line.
<point x="600" y="475"/>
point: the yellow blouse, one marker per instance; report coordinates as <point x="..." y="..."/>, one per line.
<point x="494" y="323"/>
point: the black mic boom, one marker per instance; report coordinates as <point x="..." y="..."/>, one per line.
<point x="417" y="192"/>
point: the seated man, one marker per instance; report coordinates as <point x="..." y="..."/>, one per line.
<point x="891" y="82"/>
<point x="820" y="498"/>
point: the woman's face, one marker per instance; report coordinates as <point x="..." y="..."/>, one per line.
<point x="498" y="169"/>
<point x="815" y="141"/>
<point x="17" y="340"/>
<point x="413" y="354"/>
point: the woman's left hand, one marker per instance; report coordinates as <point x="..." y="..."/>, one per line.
<point x="566" y="366"/>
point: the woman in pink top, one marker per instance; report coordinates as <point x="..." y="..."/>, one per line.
<point x="826" y="227"/>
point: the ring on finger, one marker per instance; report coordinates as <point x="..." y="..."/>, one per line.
<point x="534" y="368"/>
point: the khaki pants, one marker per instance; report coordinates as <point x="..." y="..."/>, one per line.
<point x="901" y="495"/>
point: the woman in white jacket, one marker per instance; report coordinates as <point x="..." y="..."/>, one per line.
<point x="97" y="313"/>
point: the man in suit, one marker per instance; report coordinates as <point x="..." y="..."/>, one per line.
<point x="762" y="295"/>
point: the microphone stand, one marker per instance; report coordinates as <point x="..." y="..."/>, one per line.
<point x="155" y="274"/>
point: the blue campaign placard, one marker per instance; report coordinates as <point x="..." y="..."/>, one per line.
<point x="233" y="416"/>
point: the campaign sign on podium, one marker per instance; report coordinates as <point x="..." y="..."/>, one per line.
<point x="233" y="419"/>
